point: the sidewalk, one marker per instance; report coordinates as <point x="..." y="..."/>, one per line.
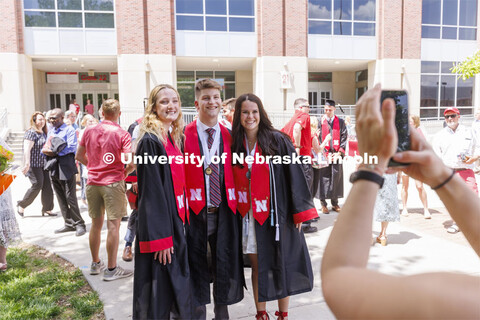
<point x="415" y="245"/>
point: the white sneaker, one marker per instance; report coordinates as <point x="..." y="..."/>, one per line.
<point x="404" y="213"/>
<point x="116" y="273"/>
<point x="96" y="268"/>
<point x="426" y="214"/>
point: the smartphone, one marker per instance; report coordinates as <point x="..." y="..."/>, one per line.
<point x="401" y="121"/>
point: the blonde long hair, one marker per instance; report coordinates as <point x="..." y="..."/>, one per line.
<point x="152" y="124"/>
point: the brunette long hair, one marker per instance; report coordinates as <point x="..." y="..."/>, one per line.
<point x="33" y="121"/>
<point x="266" y="131"/>
<point x="151" y="122"/>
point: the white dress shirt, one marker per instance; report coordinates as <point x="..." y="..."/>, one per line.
<point x="449" y="144"/>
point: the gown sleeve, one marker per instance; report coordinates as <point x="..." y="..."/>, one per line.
<point x="303" y="208"/>
<point x="343" y="137"/>
<point x="155" y="224"/>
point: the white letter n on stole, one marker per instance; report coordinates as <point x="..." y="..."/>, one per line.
<point x="242" y="197"/>
<point x="231" y="194"/>
<point x="196" y="194"/>
<point x="261" y="205"/>
<point x="180" y="201"/>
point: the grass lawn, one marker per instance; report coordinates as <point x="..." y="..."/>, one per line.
<point x="41" y="285"/>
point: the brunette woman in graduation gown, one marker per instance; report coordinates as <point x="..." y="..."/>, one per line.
<point x="162" y="276"/>
<point x="274" y="201"/>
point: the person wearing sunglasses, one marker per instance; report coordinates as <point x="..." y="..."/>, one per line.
<point x="458" y="148"/>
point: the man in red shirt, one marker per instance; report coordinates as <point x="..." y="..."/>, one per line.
<point x="100" y="150"/>
<point x="89" y="107"/>
<point x="298" y="129"/>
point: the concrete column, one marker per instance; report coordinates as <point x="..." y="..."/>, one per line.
<point x="267" y="81"/>
<point x="16" y="89"/>
<point x="398" y="74"/>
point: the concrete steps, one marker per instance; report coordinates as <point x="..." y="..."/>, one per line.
<point x="15" y="142"/>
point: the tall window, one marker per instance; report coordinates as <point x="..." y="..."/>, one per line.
<point x="216" y="15"/>
<point x="69" y="13"/>
<point x="186" y="84"/>
<point x="449" y="19"/>
<point x="341" y="17"/>
<point x="441" y="89"/>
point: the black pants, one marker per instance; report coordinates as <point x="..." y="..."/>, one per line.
<point x="65" y="190"/>
<point x="308" y="172"/>
<point x="221" y="311"/>
<point x="40" y="180"/>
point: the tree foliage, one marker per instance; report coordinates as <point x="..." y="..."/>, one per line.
<point x="469" y="67"/>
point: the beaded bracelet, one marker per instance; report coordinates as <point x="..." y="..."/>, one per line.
<point x="444" y="182"/>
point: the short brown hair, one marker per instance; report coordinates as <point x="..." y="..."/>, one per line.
<point x="416" y="120"/>
<point x="206" y="84"/>
<point x="110" y="107"/>
<point x="230" y="103"/>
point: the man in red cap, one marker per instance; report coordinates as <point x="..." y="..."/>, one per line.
<point x="457" y="146"/>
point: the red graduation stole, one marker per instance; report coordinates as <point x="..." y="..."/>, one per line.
<point x="335" y="133"/>
<point x="178" y="179"/>
<point x="196" y="180"/>
<point x="260" y="195"/>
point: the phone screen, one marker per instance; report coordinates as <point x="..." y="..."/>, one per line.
<point x="401" y="121"/>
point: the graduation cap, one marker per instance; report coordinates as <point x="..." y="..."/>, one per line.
<point x="331" y="103"/>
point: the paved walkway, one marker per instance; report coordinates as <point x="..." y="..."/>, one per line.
<point x="415" y="245"/>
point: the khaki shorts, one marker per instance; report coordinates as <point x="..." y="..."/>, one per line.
<point x="110" y="198"/>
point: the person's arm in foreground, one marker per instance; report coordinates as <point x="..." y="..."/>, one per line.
<point x="351" y="290"/>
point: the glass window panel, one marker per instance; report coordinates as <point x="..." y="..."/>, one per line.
<point x="431" y="11"/>
<point x="187" y="94"/>
<point x="189" y="6"/>
<point x="450" y="8"/>
<point x="467" y="34"/>
<point x="241" y="7"/>
<point x="215" y="6"/>
<point x="116" y="97"/>
<point x="343" y="28"/>
<point x="342" y="9"/>
<point x="69" y="4"/>
<point x="465" y="92"/>
<point x="229" y="91"/>
<point x="226" y="75"/>
<point x="430" y="67"/>
<point x="364" y="29"/>
<point x="364" y="10"/>
<point x="447" y="90"/>
<point x="449" y="33"/>
<point x="40" y="19"/>
<point x="242" y="24"/>
<point x="361" y="75"/>
<point x="216" y="24"/>
<point x="98" y="5"/>
<point x="468" y="13"/>
<point x="69" y="20"/>
<point x="319" y="27"/>
<point x="428" y="113"/>
<point x="445" y="67"/>
<point x="430" y="32"/>
<point x="185" y="76"/>
<point x="320" y="9"/>
<point x="429" y="91"/>
<point x="204" y="75"/>
<point x="189" y="23"/>
<point x="99" y="20"/>
<point x="39" y="4"/>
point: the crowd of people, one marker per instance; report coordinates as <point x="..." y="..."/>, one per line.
<point x="194" y="223"/>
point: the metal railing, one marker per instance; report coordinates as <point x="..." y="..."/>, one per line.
<point x="3" y="123"/>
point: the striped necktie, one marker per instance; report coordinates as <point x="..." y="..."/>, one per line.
<point x="215" y="196"/>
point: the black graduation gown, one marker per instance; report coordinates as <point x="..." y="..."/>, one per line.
<point x="331" y="177"/>
<point x="158" y="288"/>
<point x="284" y="266"/>
<point x="230" y="278"/>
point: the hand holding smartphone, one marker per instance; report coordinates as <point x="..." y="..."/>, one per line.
<point x="400" y="97"/>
